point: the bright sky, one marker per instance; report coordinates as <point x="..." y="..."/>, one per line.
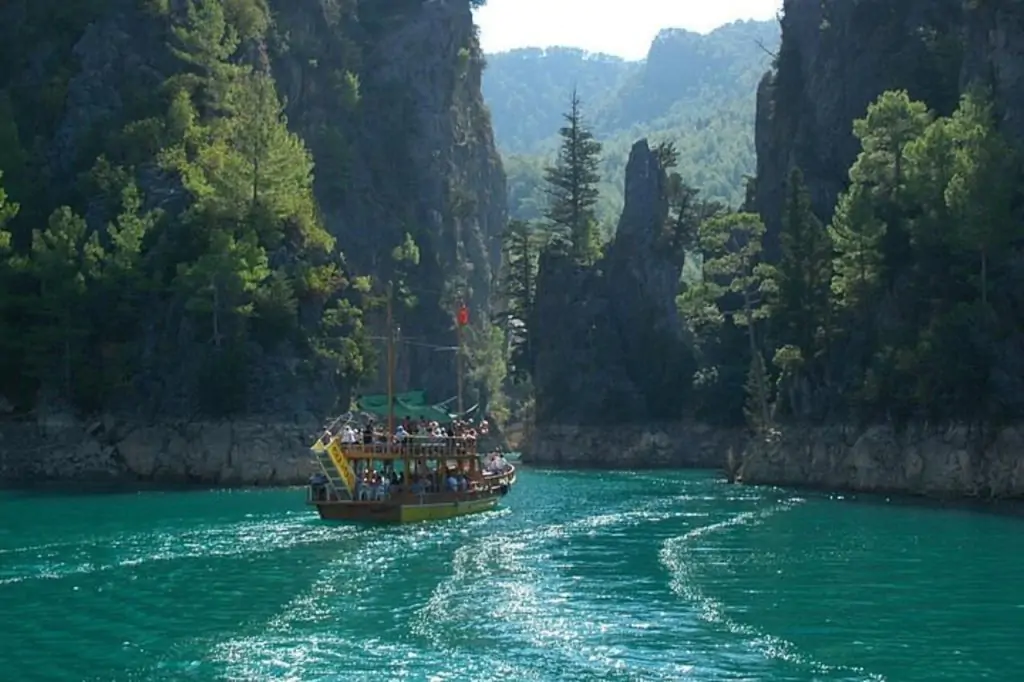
<point x="624" y="28"/>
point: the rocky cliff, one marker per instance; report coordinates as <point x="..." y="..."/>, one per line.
<point x="109" y="449"/>
<point x="609" y="349"/>
<point x="993" y="43"/>
<point x="386" y="97"/>
<point x="419" y="155"/>
<point x="835" y="58"/>
<point x="952" y="463"/>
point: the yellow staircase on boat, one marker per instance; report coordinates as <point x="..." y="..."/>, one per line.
<point x="342" y="468"/>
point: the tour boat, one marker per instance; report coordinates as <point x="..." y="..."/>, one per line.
<point x="425" y="466"/>
<point x="419" y="478"/>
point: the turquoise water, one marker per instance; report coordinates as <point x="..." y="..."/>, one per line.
<point x="581" y="576"/>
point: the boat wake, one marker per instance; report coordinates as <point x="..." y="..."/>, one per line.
<point x="518" y="586"/>
<point x="338" y="605"/>
<point x="681" y="556"/>
<point x="55" y="561"/>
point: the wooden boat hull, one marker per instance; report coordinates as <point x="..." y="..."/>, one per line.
<point x="398" y="512"/>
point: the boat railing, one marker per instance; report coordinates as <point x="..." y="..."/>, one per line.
<point x="414" y="447"/>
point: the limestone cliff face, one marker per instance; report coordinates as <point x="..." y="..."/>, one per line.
<point x="412" y="153"/>
<point x="595" y="328"/>
<point x="994" y="43"/>
<point x="952" y="463"/>
<point x="672" y="445"/>
<point x="110" y="449"/>
<point x="608" y="344"/>
<point x="419" y="156"/>
<point x="836" y="57"/>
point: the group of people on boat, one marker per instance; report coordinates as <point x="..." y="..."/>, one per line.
<point x="374" y="484"/>
<point x="413" y="434"/>
<point x="495" y="463"/>
<point x="451" y="445"/>
<point x="379" y="485"/>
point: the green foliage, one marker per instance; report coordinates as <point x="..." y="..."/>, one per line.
<point x="803" y="275"/>
<point x="572" y="188"/>
<point x="980" y="189"/>
<point x="731" y="245"/>
<point x="487" y="368"/>
<point x="924" y="236"/>
<point x="856" y="234"/>
<point x="905" y="308"/>
<point x="521" y="245"/>
<point x="192" y="233"/>
<point x="687" y="210"/>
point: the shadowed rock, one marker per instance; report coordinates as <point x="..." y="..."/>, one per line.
<point x="607" y="338"/>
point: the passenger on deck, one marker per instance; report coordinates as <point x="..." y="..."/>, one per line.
<point x="452" y="483"/>
<point x="380" y="489"/>
<point x="348" y="435"/>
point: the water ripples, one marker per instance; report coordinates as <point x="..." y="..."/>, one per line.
<point x="579" y="577"/>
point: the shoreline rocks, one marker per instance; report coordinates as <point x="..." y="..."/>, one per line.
<point x="952" y="463"/>
<point x="110" y="452"/>
<point x="244" y="452"/>
<point x="629" y="446"/>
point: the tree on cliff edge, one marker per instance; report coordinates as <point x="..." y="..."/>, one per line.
<point x="804" y="275"/>
<point x="572" y="187"/>
<point x="731" y="245"/>
<point x="521" y="245"/>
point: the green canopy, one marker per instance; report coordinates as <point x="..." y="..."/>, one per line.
<point x="412" y="404"/>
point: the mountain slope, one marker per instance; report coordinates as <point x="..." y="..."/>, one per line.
<point x="696" y="90"/>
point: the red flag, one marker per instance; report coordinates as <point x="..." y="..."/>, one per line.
<point x="463" y="316"/>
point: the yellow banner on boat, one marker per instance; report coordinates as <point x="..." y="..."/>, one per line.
<point x="343" y="466"/>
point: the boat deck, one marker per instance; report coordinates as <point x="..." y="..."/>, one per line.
<point x="403" y="506"/>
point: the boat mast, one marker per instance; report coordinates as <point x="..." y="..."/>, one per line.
<point x="391" y="369"/>
<point x="458" y="355"/>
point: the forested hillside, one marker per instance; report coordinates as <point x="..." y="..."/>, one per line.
<point x="697" y="91"/>
<point x="871" y="279"/>
<point x="204" y="200"/>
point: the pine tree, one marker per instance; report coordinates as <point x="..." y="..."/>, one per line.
<point x="274" y="165"/>
<point x="891" y="123"/>
<point x="803" y="274"/>
<point x="856" y="234"/>
<point x="687" y="211"/>
<point x="732" y="251"/>
<point x="65" y="260"/>
<point x="222" y="281"/>
<point x="521" y="247"/>
<point x="573" y="187"/>
<point x="981" y="189"/>
<point x="207" y="42"/>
